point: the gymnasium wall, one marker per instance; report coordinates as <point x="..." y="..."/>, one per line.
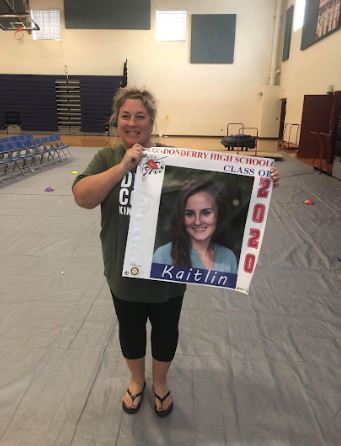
<point x="310" y="71"/>
<point x="194" y="99"/>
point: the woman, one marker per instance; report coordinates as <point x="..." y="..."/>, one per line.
<point x="196" y="226"/>
<point x="109" y="180"/>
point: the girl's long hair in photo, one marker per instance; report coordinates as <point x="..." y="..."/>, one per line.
<point x="181" y="244"/>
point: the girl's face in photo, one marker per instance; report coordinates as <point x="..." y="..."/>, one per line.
<point x="200" y="216"/>
<point x="134" y="124"/>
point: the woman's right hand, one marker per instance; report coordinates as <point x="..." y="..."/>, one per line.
<point x="132" y="157"/>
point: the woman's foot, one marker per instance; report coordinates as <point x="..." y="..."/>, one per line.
<point x="133" y="397"/>
<point x="163" y="400"/>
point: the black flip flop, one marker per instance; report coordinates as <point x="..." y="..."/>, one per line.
<point x="132" y="410"/>
<point x="162" y="413"/>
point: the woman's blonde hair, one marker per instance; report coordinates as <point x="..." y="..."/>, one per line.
<point x="123" y="94"/>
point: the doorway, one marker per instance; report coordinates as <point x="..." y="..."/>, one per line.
<point x="315" y="118"/>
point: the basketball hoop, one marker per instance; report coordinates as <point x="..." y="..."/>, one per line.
<point x="19" y="33"/>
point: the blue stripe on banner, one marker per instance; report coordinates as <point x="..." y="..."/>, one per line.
<point x="193" y="275"/>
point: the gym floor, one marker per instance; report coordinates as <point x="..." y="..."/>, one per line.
<point x="260" y="370"/>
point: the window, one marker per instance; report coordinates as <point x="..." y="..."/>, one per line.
<point x="171" y="25"/>
<point x="48" y="21"/>
<point x="299" y="14"/>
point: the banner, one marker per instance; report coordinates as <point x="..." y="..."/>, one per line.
<point x="198" y="217"/>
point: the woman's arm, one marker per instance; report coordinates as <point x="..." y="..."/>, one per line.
<point x="93" y="189"/>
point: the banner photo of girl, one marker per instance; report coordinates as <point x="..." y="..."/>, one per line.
<point x="198" y="217"/>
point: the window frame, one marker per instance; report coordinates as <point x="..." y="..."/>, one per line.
<point x="181" y="33"/>
<point x="51" y="15"/>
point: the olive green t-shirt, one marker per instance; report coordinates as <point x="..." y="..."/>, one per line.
<point x="115" y="211"/>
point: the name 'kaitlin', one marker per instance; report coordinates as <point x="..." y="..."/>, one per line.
<point x="194" y="275"/>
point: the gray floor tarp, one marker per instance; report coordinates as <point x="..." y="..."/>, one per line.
<point x="263" y="369"/>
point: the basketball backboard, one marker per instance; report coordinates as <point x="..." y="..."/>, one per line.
<point x="15" y="14"/>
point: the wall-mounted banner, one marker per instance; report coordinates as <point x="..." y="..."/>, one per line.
<point x="198" y="217"/>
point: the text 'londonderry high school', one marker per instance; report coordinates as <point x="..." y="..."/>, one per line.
<point x="214" y="156"/>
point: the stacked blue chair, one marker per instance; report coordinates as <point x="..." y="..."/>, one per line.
<point x="52" y="148"/>
<point x="43" y="151"/>
<point x="24" y="154"/>
<point x="59" y="146"/>
<point x="11" y="159"/>
<point x="7" y="164"/>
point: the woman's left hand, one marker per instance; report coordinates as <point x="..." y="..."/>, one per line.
<point x="275" y="176"/>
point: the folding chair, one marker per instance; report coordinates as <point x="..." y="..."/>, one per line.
<point x="6" y="165"/>
<point x="44" y="153"/>
<point x="14" y="153"/>
<point x="49" y="144"/>
<point x="55" y="139"/>
<point x="9" y="162"/>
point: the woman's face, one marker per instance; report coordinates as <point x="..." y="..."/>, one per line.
<point x="201" y="216"/>
<point x="134" y="124"/>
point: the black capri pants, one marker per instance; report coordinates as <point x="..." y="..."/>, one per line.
<point x="164" y="319"/>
